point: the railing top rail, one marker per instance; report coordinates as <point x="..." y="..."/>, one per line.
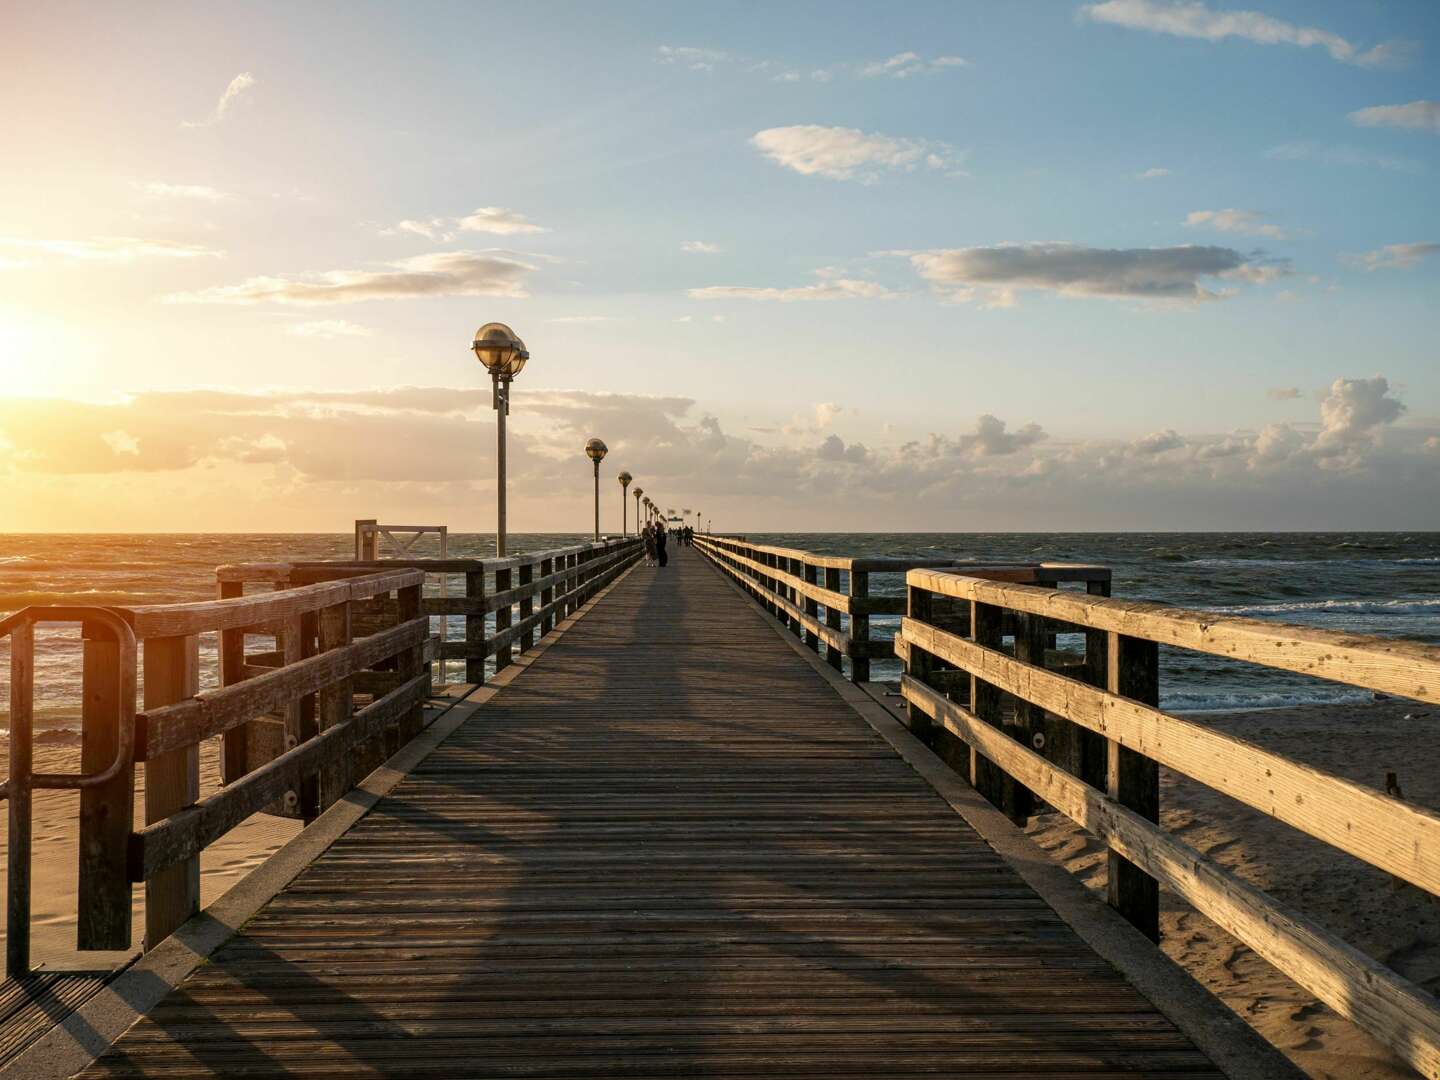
<point x="175" y="620"/>
<point x="1046" y="571"/>
<point x="1405" y="668"/>
<point x="280" y="571"/>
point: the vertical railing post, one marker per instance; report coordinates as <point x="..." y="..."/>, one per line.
<point x="475" y="627"/>
<point x="411" y="662"/>
<point x="107" y="811"/>
<point x="812" y="607"/>
<point x="859" y="629"/>
<point x="235" y="742"/>
<point x="986" y="628"/>
<point x="527" y="606"/>
<point x="1027" y="721"/>
<point x="547" y="597"/>
<point x="22" y="723"/>
<point x="1091" y="753"/>
<point x="336" y="703"/>
<point x="300" y="722"/>
<point x="172" y="783"/>
<point x="919" y="663"/>
<point x="1133" y="780"/>
<point x="502" y="619"/>
<point x="835" y="657"/>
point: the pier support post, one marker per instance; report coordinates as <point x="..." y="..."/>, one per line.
<point x="1091" y="755"/>
<point x="833" y="656"/>
<point x="859" y="629"/>
<point x="107" y="812"/>
<point x="527" y="606"/>
<point x="986" y="702"/>
<point x="172" y="783"/>
<point x="335" y="706"/>
<point x="411" y="662"/>
<point x="475" y="628"/>
<point x="1027" y="720"/>
<point x="547" y="597"/>
<point x="502" y="619"/>
<point x="1133" y="780"/>
<point x="812" y="607"/>
<point x="235" y="761"/>
<point x="918" y="606"/>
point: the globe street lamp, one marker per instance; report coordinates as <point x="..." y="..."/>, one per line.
<point x="596" y="450"/>
<point x="504" y="355"/>
<point x="639" y="491"/>
<point x="624" y="479"/>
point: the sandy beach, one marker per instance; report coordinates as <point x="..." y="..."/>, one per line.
<point x="55" y="853"/>
<point x="1398" y="925"/>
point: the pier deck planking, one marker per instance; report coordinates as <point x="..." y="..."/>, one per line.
<point x="668" y="849"/>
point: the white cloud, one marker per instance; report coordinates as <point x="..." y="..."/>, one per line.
<point x="1158" y="442"/>
<point x="1283" y="393"/>
<point x="905" y="64"/>
<point x="1393" y="256"/>
<point x="330" y="328"/>
<point x="238" y="85"/>
<point x="1420" y="115"/>
<point x="1194" y="19"/>
<point x="117" y="248"/>
<point x="996" y="273"/>
<point x="197" y="192"/>
<point x="700" y="247"/>
<point x="830" y="287"/>
<point x="696" y="59"/>
<point x="1249" y="222"/>
<point x="1353" y="414"/>
<point x="1152" y="174"/>
<point x="991" y="439"/>
<point x="582" y="319"/>
<point x="839" y="153"/>
<point x="121" y="442"/>
<point x="454" y="273"/>
<point x="486" y="219"/>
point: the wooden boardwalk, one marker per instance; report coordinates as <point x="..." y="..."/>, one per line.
<point x="667" y="849"/>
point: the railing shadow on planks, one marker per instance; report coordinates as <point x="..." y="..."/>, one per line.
<point x="340" y="687"/>
<point x="1082" y="731"/>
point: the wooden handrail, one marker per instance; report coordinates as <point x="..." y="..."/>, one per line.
<point x="1399" y="838"/>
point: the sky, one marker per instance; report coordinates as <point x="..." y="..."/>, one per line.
<point x="1129" y="264"/>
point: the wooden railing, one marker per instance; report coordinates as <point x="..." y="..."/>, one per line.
<point x="339" y="687"/>
<point x="526" y="594"/>
<point x="826" y="599"/>
<point x="1028" y="728"/>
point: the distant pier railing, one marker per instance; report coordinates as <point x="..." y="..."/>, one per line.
<point x="338" y="685"/>
<point x="826" y="600"/>
<point x="1085" y="735"/>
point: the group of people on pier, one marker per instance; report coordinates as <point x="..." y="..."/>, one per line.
<point x="656" y="536"/>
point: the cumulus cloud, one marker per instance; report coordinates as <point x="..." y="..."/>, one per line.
<point x="453" y="273"/>
<point x="1157" y="442"/>
<point x="1418" y="115"/>
<point x="991" y="439"/>
<point x="838" y="153"/>
<point x="1393" y="256"/>
<point x="904" y="65"/>
<point x="1160" y="274"/>
<point x="1195" y="19"/>
<point x="329" y="328"/>
<point x="830" y="287"/>
<point x="1353" y="415"/>
<point x="238" y="85"/>
<point x="700" y="247"/>
<point x="110" y="248"/>
<point x="1249" y="222"/>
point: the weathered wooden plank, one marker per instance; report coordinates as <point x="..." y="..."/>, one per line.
<point x="1395" y="1011"/>
<point x="1391" y="666"/>
<point x="172" y="783"/>
<point x="1398" y="837"/>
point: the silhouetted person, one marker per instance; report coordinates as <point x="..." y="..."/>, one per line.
<point x="649" y="535"/>
<point x="660" y="544"/>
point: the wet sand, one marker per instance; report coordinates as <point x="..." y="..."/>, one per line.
<point x="1398" y="925"/>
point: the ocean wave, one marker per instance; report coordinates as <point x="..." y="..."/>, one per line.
<point x="1400" y="606"/>
<point x="1235" y="700"/>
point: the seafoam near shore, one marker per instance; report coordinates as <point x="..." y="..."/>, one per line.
<point x="1398" y="925"/>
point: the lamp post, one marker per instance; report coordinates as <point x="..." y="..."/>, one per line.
<point x="595" y="449"/>
<point x="504" y="355"/>
<point x="624" y="479"/>
<point x="639" y="491"/>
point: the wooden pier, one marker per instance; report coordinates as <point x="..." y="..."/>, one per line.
<point x="668" y="848"/>
<point x="669" y="842"/>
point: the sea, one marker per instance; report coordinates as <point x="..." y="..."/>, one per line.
<point x="1387" y="584"/>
